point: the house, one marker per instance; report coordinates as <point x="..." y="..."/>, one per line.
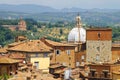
<point x="115" y="51"/>
<point x="35" y="52"/>
<point x="62" y="53"/>
<point x="102" y="71"/>
<point x="116" y="75"/>
<point x="8" y="66"/>
<point x="3" y="50"/>
<point x="20" y="38"/>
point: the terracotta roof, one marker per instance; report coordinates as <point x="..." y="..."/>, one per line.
<point x="116" y="72"/>
<point x="115" y="45"/>
<point x="14" y="44"/>
<point x="5" y="60"/>
<point x="31" y="46"/>
<point x="17" y="56"/>
<point x="3" y="50"/>
<point x="4" y="55"/>
<point x="57" y="43"/>
<point x="56" y="66"/>
<point x="21" y="37"/>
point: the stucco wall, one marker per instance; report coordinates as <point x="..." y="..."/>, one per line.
<point x="44" y="62"/>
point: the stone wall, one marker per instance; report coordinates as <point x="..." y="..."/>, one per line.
<point x="98" y="51"/>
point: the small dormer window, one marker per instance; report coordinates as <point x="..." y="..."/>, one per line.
<point x="57" y="52"/>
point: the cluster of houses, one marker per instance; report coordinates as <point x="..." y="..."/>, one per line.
<point x="90" y="47"/>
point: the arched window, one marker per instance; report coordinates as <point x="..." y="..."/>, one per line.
<point x="57" y="52"/>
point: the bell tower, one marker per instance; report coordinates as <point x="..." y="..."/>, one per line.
<point x="22" y="25"/>
<point x="98" y="45"/>
<point x="78" y="21"/>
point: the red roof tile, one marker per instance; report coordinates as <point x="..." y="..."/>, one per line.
<point x="31" y="46"/>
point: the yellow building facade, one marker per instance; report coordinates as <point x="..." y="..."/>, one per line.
<point x="41" y="63"/>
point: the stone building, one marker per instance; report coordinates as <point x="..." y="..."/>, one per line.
<point x="63" y="54"/>
<point x="103" y="71"/>
<point x="116" y="51"/>
<point x="116" y="75"/>
<point x="98" y="45"/>
<point x="22" y="25"/>
<point x="8" y="66"/>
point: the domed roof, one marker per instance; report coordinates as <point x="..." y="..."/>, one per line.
<point x="77" y="34"/>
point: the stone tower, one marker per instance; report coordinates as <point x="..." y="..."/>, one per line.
<point x="22" y="25"/>
<point x="98" y="45"/>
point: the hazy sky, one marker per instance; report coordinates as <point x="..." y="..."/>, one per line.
<point x="110" y="4"/>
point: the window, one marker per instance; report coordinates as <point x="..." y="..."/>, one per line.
<point x="77" y="64"/>
<point x="10" y="68"/>
<point x="82" y="57"/>
<point x="69" y="64"/>
<point x="36" y="64"/>
<point x="45" y="54"/>
<point x="57" y="52"/>
<point x="97" y="57"/>
<point x="36" y="55"/>
<point x="68" y="52"/>
<point x="99" y="34"/>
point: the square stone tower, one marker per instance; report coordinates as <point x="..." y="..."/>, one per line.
<point x="98" y="45"/>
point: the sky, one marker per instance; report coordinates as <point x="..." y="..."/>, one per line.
<point x="59" y="4"/>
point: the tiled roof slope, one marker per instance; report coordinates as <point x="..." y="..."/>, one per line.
<point x="53" y="43"/>
<point x="4" y="60"/>
<point x="17" y="56"/>
<point x="31" y="46"/>
<point x="14" y="44"/>
<point x="3" y="50"/>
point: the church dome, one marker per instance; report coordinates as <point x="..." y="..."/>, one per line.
<point x="77" y="34"/>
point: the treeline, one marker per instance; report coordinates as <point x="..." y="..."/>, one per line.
<point x="5" y="35"/>
<point x="8" y="22"/>
<point x="116" y="33"/>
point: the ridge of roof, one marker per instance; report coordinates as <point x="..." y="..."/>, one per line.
<point x="31" y="46"/>
<point x="57" y="43"/>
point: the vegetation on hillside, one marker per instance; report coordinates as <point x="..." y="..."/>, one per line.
<point x="57" y="31"/>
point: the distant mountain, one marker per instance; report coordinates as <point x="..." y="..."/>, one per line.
<point x="26" y="8"/>
<point x="31" y="8"/>
<point x="73" y="9"/>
